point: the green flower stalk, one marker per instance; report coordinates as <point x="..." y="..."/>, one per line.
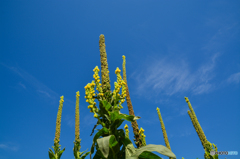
<point x="104" y="65"/>
<point x="196" y="124"/>
<point x="77" y="119"/>
<point x="76" y="150"/>
<point x="137" y="137"/>
<point x="126" y="131"/>
<point x="141" y="132"/>
<point x="58" y="124"/>
<point x="57" y="152"/>
<point x="207" y="146"/>
<point x="195" y="127"/>
<point x="163" y="129"/>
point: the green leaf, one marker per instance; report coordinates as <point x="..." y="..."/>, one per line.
<point x="60" y="153"/>
<point x="114" y="115"/>
<point x="51" y="154"/>
<point x="106" y="104"/>
<point x="85" y="155"/>
<point x="149" y="155"/>
<point x="158" y="148"/>
<point x="130" y="118"/>
<point x="97" y="135"/>
<point x="113" y="144"/>
<point x="98" y="155"/>
<point x="116" y="123"/>
<point x="103" y="144"/>
<point x="81" y="153"/>
<point x="129" y="148"/>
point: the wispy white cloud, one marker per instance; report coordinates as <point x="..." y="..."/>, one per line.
<point x="11" y="147"/>
<point x="234" y="78"/>
<point x="34" y="83"/>
<point x="22" y="85"/>
<point x="168" y="77"/>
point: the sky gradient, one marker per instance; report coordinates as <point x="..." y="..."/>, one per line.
<point x="173" y="49"/>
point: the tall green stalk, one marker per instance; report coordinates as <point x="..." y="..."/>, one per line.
<point x="76" y="150"/>
<point x="207" y="146"/>
<point x="57" y="151"/>
<point x="196" y="124"/>
<point x="137" y="136"/>
<point x="104" y="66"/>
<point x="163" y="129"/>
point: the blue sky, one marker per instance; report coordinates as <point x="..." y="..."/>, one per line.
<point x="173" y="49"/>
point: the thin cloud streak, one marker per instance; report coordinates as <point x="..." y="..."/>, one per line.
<point x="8" y="147"/>
<point x="34" y="83"/>
<point x="234" y="78"/>
<point x="174" y="77"/>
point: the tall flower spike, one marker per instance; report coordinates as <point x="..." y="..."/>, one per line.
<point x="77" y="119"/>
<point x="104" y="65"/>
<point x="57" y="151"/>
<point x="141" y="132"/>
<point x="97" y="80"/>
<point x="58" y="123"/>
<point x="130" y="107"/>
<point x="126" y="130"/>
<point x="195" y="122"/>
<point x="163" y="129"/>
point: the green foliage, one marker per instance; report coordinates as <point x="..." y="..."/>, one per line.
<point x="110" y="141"/>
<point x="57" y="152"/>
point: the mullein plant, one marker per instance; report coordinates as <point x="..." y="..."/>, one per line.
<point x="207" y="146"/>
<point x="141" y="133"/>
<point x="110" y="141"/>
<point x="163" y="129"/>
<point x="57" y="150"/>
<point x="76" y="150"/>
<point x="138" y="141"/>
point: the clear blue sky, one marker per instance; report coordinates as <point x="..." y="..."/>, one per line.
<point x="173" y="49"/>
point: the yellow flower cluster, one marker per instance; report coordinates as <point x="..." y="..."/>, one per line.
<point x="77" y="93"/>
<point x="97" y="80"/>
<point x="126" y="130"/>
<point x="142" y="136"/>
<point x="120" y="83"/>
<point x="141" y="130"/>
<point x="61" y="100"/>
<point x="90" y="92"/>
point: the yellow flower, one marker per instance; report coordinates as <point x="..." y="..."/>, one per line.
<point x="95" y="115"/>
<point x="117" y="70"/>
<point x="87" y="100"/>
<point x="126" y="126"/>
